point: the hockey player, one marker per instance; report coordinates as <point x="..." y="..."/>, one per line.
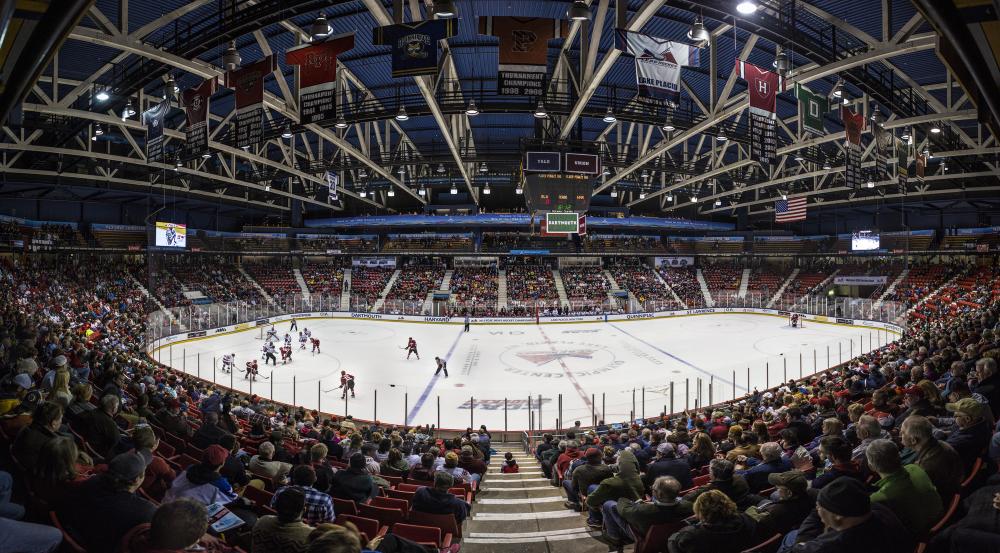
<point x="251" y="370"/>
<point x="288" y="340"/>
<point x="315" y="344"/>
<point x="269" y="354"/>
<point x="795" y="320"/>
<point x="228" y="362"/>
<point x="272" y="334"/>
<point x="302" y="341"/>
<point x="411" y="348"/>
<point x="347" y="384"/>
<point x="307" y="332"/>
<point x="286" y="354"/>
<point x="294" y="325"/>
<point x="442" y="365"/>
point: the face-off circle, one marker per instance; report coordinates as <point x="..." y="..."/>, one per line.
<point x="554" y="359"/>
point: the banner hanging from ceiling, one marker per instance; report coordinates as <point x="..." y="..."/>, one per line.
<point x="152" y="118"/>
<point x="523" y="52"/>
<point x="248" y="82"/>
<point x="195" y="102"/>
<point x="763" y="87"/>
<point x="902" y="165"/>
<point x="658" y="64"/>
<point x="317" y="65"/>
<point x="332" y="179"/>
<point x="415" y="45"/>
<point x="883" y="150"/>
<point x="921" y="167"/>
<point x="812" y="107"/>
<point x="854" y="125"/>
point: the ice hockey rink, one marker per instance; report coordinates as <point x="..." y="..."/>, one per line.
<point x="615" y="370"/>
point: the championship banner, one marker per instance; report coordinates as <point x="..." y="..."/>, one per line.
<point x="332" y="179"/>
<point x="921" y="167"/>
<point x="883" y="148"/>
<point x="523" y="52"/>
<point x="903" y="166"/>
<point x="812" y="106"/>
<point x="415" y="45"/>
<point x="763" y="87"/>
<point x="248" y="83"/>
<point x="196" y="109"/>
<point x="854" y="124"/>
<point x="153" y="119"/>
<point x="317" y="64"/>
<point x="658" y="64"/>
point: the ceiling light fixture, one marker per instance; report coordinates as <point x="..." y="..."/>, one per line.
<point x="519" y="191"/>
<point x="444" y="8"/>
<point x="718" y="203"/>
<point x="267" y="188"/>
<point x="363" y="193"/>
<point x="540" y="112"/>
<point x="670" y="197"/>
<point x="578" y="11"/>
<point x="935" y="129"/>
<point x="171" y="85"/>
<point x="286" y="133"/>
<point x="487" y="190"/>
<point x="341" y="122"/>
<point x="871" y="184"/>
<point x="483" y="168"/>
<point x="128" y="111"/>
<point x="722" y="136"/>
<point x="231" y="57"/>
<point x="609" y="116"/>
<point x="746" y="7"/>
<point x="440" y="168"/>
<point x="781" y="63"/>
<point x="320" y="27"/>
<point x="798" y="157"/>
<point x="98" y="131"/>
<point x="642" y="195"/>
<point x="698" y="32"/>
<point x="422" y="191"/>
<point x="605" y="171"/>
<point x="694" y="199"/>
<point x="454" y="190"/>
<point x="102" y="95"/>
<point x="206" y="155"/>
<point x="472" y="110"/>
<point x="391" y="193"/>
<point x="838" y="89"/>
<point x="826" y="165"/>
<point x="668" y="125"/>
<point x="401" y="115"/>
<point x="614" y="193"/>
<point x="401" y="170"/>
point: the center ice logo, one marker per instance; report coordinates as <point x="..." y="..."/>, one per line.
<point x="543" y="357"/>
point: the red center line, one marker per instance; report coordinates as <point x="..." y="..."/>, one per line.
<point x="569" y="375"/>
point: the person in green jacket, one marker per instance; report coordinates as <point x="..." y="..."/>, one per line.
<point x="907" y="490"/>
<point x="626" y="516"/>
<point x="626" y="484"/>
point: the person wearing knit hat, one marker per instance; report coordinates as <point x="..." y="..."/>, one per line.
<point x="846" y="519"/>
<point x="585" y="477"/>
<point x="668" y="464"/>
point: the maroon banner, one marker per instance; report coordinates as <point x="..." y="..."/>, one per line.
<point x="196" y="109"/>
<point x="318" y="76"/>
<point x="248" y="84"/>
<point x="854" y="124"/>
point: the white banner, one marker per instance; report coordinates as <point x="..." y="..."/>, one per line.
<point x="860" y="280"/>
<point x="675" y="261"/>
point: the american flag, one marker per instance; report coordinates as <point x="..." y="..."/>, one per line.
<point x="789" y="211"/>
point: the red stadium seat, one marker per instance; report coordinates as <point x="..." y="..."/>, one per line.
<point x="655" y="539"/>
<point x="424" y="535"/>
<point x="258" y="496"/>
<point x="386" y="516"/>
<point x="367" y="526"/>
<point x="388" y="502"/>
<point x="446" y="523"/>
<point x="768" y="546"/>
<point x="70" y="544"/>
<point x="702" y="480"/>
<point x="400" y="494"/>
<point x="344" y="506"/>
<point x="409" y="487"/>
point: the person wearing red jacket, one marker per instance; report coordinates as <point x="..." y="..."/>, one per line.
<point x="567" y="457"/>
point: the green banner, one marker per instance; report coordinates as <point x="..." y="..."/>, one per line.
<point x="812" y="106"/>
<point x="566" y="223"/>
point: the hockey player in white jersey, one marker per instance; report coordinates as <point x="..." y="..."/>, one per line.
<point x="272" y="334"/>
<point x="228" y="361"/>
<point x="288" y="340"/>
<point x="302" y="341"/>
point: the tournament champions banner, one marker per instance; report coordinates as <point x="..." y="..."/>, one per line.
<point x="903" y="165"/>
<point x="415" y="45"/>
<point x="317" y="64"/>
<point x="658" y="64"/>
<point x="153" y="119"/>
<point x="883" y="148"/>
<point x="812" y="107"/>
<point x="196" y="109"/>
<point x="524" y="49"/>
<point x="854" y="125"/>
<point x="332" y="179"/>
<point x="248" y="83"/>
<point x="763" y="87"/>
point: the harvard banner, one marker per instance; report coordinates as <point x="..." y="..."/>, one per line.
<point x="318" y="77"/>
<point x="763" y="87"/>
<point x="248" y="83"/>
<point x="854" y="124"/>
<point x="196" y="109"/>
<point x="415" y="45"/>
<point x="658" y="64"/>
<point x="524" y="48"/>
<point x="812" y="106"/>
<point x="153" y="119"/>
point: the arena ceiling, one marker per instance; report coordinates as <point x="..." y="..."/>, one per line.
<point x="883" y="52"/>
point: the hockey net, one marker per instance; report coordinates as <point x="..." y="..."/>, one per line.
<point x="796" y="320"/>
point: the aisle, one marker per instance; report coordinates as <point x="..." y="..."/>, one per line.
<point x="524" y="513"/>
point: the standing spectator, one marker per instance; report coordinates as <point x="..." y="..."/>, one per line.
<point x="721" y="528"/>
<point x="905" y="489"/>
<point x="437" y="500"/>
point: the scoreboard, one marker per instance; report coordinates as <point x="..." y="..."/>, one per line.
<point x="561" y="192"/>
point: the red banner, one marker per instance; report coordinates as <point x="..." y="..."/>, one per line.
<point x="248" y="84"/>
<point x="318" y="76"/>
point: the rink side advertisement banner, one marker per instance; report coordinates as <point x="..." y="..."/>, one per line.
<point x="860" y="280"/>
<point x="317" y="63"/>
<point x="248" y="85"/>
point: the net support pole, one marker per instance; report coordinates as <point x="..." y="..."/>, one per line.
<point x="604" y="412"/>
<point x="505" y="416"/>
<point x="213" y="369"/>
<point x="271" y="381"/>
<point x="319" y="396"/>
<point x="439" y="411"/>
<point x="406" y="408"/>
<point x="250" y="391"/>
<point x="711" y="384"/>
<point x="633" y="405"/>
<point x="828" y="356"/>
<point x="593" y="410"/>
<point x="644" y="403"/>
<point x="531" y="412"/>
<point x="184" y="360"/>
<point x="767" y="374"/>
<point x="800" y="364"/>
<point x="734" y="384"/>
<point x="539" y="418"/>
<point x="748" y="378"/>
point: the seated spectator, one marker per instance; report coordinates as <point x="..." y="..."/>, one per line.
<point x="423" y="472"/>
<point x="938" y="459"/>
<point x="906" y="490"/>
<point x="436" y="499"/>
<point x="202" y="482"/>
<point x="103" y="509"/>
<point x="233" y="469"/>
<point x="746" y="446"/>
<point x="452" y="468"/>
<point x="159" y="475"/>
<point x="836" y="453"/>
<point x="721" y="528"/>
<point x="210" y="431"/>
<point x="394" y="464"/>
<point x="625" y="485"/>
<point x="846" y="520"/>
<point x="586" y="477"/>
<point x="45" y="423"/>
<point x="771" y="461"/>
<point x="100" y="428"/>
<point x="177" y="527"/>
<point x="57" y="473"/>
<point x="354" y="483"/>
<point x="702" y="451"/>
<point x="792" y="506"/>
<point x="973" y="434"/>
<point x="319" y="506"/>
<point x="81" y="404"/>
<point x="567" y="457"/>
<point x="667" y="464"/>
<point x="284" y="532"/>
<point x="509" y="464"/>
<point x="468" y="461"/>
<point x="624" y="516"/>
<point x="978" y="530"/>
<point x="172" y="420"/>
<point x="731" y="485"/>
<point x="264" y="465"/>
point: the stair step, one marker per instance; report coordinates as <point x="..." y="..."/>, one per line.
<point x="561" y="513"/>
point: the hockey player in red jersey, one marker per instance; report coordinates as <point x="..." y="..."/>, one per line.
<point x="315" y="344"/>
<point x="411" y="348"/>
<point x="346" y="383"/>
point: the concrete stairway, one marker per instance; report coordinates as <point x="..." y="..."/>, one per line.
<point x="501" y="289"/>
<point x="302" y="285"/>
<point x="671" y="290"/>
<point x="524" y="513"/>
<point x="781" y="289"/>
<point x="446" y="281"/>
<point x="560" y="288"/>
<point x="744" y="283"/>
<point x="385" y="291"/>
<point x="345" y="292"/>
<point x="256" y="284"/>
<point x="891" y="288"/>
<point x="704" y="289"/>
<point x="614" y="286"/>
